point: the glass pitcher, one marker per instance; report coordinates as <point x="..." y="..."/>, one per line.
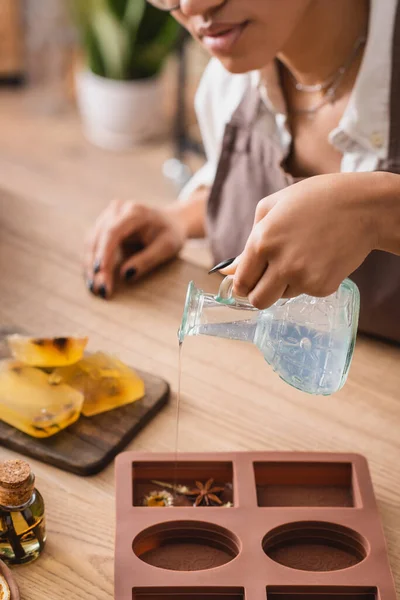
<point x="308" y="341"/>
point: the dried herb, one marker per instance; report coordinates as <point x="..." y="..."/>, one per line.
<point x="36" y="526"/>
<point x="61" y="343"/>
<point x="10" y="535"/>
<point x="54" y="379"/>
<point x="203" y="494"/>
<point x="158" y="498"/>
<point x="178" y="489"/>
<point x="206" y="494"/>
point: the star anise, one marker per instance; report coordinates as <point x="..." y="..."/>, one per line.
<point x="206" y="494"/>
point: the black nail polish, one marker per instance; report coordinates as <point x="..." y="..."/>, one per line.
<point x="96" y="267"/>
<point x="222" y="265"/>
<point x="103" y="292"/>
<point x="130" y="274"/>
<point x="90" y="285"/>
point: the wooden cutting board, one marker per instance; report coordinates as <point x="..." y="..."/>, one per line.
<point x="90" y="444"/>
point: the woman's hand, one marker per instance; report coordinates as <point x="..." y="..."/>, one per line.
<point x="152" y="236"/>
<point x="308" y="237"/>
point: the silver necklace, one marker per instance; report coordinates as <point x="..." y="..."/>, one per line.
<point x="330" y="85"/>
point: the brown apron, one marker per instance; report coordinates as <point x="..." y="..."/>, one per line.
<point x="250" y="169"/>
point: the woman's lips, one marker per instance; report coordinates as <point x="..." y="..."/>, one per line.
<point x="223" y="41"/>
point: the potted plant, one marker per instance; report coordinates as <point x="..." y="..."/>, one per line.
<point x="119" y="92"/>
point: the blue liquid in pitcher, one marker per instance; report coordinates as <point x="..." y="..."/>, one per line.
<point x="309" y="359"/>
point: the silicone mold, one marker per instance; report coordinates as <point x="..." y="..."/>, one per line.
<point x="298" y="527"/>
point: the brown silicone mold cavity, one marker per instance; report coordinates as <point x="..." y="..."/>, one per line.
<point x="304" y="484"/>
<point x="312" y="546"/>
<point x="321" y="593"/>
<point x="186" y="546"/>
<point x="217" y="593"/>
<point x="182" y="473"/>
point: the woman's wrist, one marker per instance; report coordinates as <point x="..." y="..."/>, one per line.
<point x="386" y="190"/>
<point x="191" y="214"/>
<point x="376" y="199"/>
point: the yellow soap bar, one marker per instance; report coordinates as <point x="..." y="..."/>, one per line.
<point x="47" y="352"/>
<point x="105" y="382"/>
<point x="34" y="401"/>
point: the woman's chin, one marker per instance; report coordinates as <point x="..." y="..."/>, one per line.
<point x="240" y="64"/>
<point x="240" y="61"/>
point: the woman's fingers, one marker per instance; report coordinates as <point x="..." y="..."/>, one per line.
<point x="253" y="262"/>
<point x="269" y="289"/>
<point x="91" y="257"/>
<point x="254" y="276"/>
<point x="91" y="264"/>
<point x="115" y="228"/>
<point x="125" y="224"/>
<point x="90" y="249"/>
<point x="230" y="269"/>
<point x="148" y="236"/>
<point x="159" y="251"/>
<point x="104" y="280"/>
<point x="291" y="292"/>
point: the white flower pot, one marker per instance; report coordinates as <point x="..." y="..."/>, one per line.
<point x="119" y="115"/>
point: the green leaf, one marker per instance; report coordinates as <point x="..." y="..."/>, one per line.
<point x="152" y="23"/>
<point x="82" y="11"/>
<point x="134" y="12"/>
<point x="132" y="21"/>
<point x="117" y="7"/>
<point x="94" y="58"/>
<point x="150" y="57"/>
<point x="113" y="43"/>
<point x="124" y="39"/>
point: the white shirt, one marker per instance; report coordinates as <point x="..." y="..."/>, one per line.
<point x="362" y="136"/>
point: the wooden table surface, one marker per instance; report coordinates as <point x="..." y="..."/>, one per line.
<point x="52" y="185"/>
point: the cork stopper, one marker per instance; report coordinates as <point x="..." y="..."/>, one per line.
<point x="16" y="483"/>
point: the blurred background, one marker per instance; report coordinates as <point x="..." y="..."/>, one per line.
<point x="125" y="70"/>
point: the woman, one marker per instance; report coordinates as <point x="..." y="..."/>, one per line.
<point x="301" y="123"/>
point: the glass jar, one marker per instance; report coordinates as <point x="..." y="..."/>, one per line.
<point x="22" y="520"/>
<point x="308" y="341"/>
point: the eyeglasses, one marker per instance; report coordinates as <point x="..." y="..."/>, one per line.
<point x="165" y="5"/>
